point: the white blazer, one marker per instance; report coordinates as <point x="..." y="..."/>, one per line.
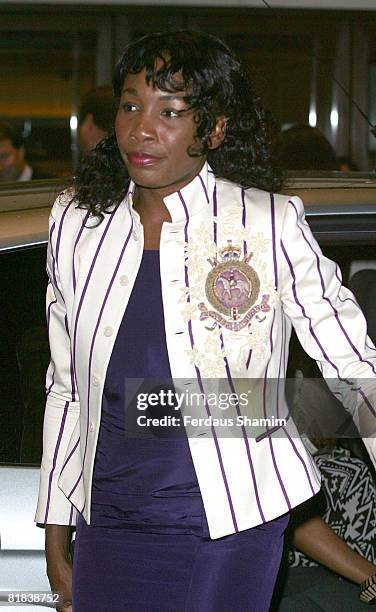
<point x="246" y="476"/>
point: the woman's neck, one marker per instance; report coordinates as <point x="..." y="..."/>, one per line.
<point x="150" y="206"/>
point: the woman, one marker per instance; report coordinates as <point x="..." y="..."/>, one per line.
<point x="195" y="272"/>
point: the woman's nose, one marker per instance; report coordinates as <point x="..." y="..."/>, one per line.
<point x="143" y="127"/>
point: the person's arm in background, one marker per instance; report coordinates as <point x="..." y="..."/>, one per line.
<point x="310" y="533"/>
<point x="318" y="541"/>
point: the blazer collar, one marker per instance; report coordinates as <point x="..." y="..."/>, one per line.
<point x="189" y="200"/>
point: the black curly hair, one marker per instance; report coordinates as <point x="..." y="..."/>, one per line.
<point x="215" y="84"/>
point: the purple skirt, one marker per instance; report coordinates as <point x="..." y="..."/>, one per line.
<point x="128" y="571"/>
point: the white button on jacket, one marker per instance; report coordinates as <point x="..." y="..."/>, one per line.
<point x="244" y="479"/>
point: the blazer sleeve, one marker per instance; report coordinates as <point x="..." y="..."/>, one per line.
<point x="328" y="321"/>
<point x="62" y="405"/>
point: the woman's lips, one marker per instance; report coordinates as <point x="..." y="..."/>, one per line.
<point x="141" y="159"/>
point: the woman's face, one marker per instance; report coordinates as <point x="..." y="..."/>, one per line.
<point x="154" y="131"/>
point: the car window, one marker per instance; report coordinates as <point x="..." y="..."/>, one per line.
<point x="24" y="353"/>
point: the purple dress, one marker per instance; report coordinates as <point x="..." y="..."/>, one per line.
<point x="142" y="484"/>
<point x="148" y="548"/>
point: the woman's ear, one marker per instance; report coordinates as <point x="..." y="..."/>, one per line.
<point x="218" y="134"/>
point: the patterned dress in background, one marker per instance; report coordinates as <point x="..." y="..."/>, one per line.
<point x="350" y="494"/>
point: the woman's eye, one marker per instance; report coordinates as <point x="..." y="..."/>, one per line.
<point x="128" y="107"/>
<point x="171" y="113"/>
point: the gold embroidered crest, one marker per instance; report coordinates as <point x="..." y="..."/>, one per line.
<point x="232" y="288"/>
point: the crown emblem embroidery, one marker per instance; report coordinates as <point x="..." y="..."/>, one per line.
<point x="232" y="288"/>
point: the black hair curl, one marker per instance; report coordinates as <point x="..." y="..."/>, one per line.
<point x="215" y="85"/>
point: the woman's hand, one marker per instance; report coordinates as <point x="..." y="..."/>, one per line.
<point x="60" y="577"/>
<point x="59" y="565"/>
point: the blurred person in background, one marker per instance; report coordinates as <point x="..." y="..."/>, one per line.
<point x="346" y="164"/>
<point x="13" y="166"/>
<point x="97" y="114"/>
<point x="303" y="147"/>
